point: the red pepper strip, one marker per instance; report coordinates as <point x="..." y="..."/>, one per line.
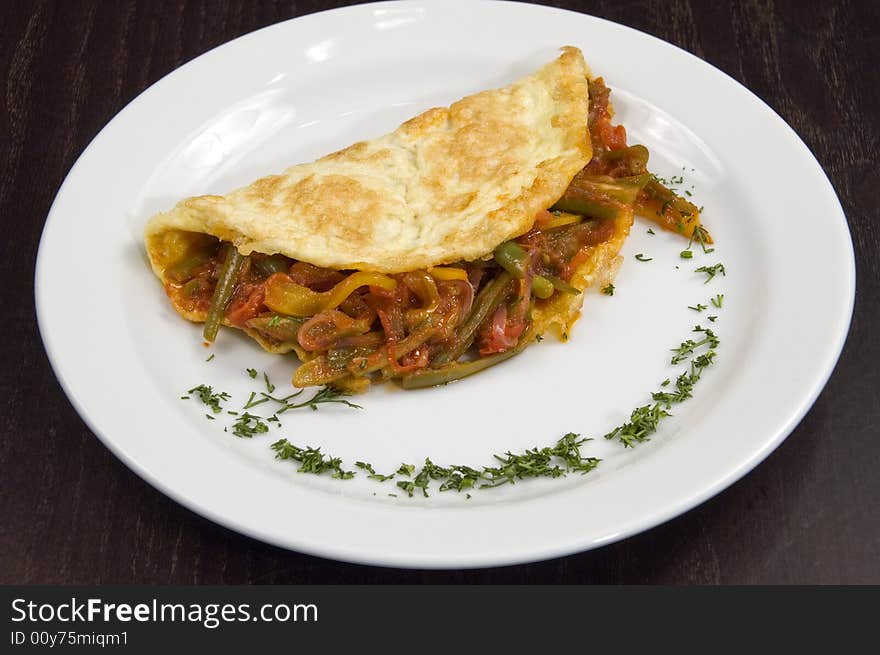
<point x="502" y="331"/>
<point x="410" y="362"/>
<point x="241" y="312"/>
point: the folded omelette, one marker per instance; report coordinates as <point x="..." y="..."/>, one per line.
<point x="426" y="254"/>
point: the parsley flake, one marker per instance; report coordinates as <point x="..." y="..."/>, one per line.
<point x="372" y="473"/>
<point x="687" y="348"/>
<point x="311" y="460"/>
<point x="208" y="397"/>
<point x="711" y="271"/>
<point x="247" y="425"/>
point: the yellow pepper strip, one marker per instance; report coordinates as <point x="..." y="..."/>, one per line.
<point x="285" y="296"/>
<point x="422" y="284"/>
<point x="564" y="218"/>
<point x="446" y="273"/>
<point x="344" y="289"/>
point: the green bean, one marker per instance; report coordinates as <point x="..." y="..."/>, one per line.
<point x="232" y="262"/>
<point x="485" y="303"/>
<point x="512" y="258"/>
<point x="669" y="210"/>
<point x="182" y="270"/>
<point x="561" y="285"/>
<point x="636" y="158"/>
<point x="271" y="264"/>
<point x="455" y="371"/>
<point x="599" y="195"/>
<point x="624" y="189"/>
<point x="585" y="206"/>
<point x="542" y="287"/>
<point x="657" y="191"/>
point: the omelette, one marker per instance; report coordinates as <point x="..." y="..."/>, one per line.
<point x="429" y="253"/>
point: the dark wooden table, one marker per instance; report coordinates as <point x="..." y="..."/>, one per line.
<point x="70" y="512"/>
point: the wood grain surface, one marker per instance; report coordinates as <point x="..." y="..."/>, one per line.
<point x="70" y="512"/>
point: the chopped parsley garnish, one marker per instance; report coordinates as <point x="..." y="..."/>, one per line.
<point x="311" y="460"/>
<point x="540" y="462"/>
<point x="270" y="388"/>
<point x="372" y="473"/>
<point x="642" y="258"/>
<point x="274" y="321"/>
<point x="210" y="358"/>
<point x="252" y="372"/>
<point x="712" y="318"/>
<point x="717" y="300"/>
<point x="650" y="231"/>
<point x="548" y="462"/>
<point x="206" y="395"/>
<point x="253" y="401"/>
<point x="687" y="348"/>
<point x="698" y="307"/>
<point x="700" y="234"/>
<point x="247" y="425"/>
<point x="325" y="395"/>
<point x="711" y="271"/>
<point x="642" y="422"/>
<point x="684" y="383"/>
<point x="551" y="462"/>
<point x="608" y="289"/>
<point x="458" y="478"/>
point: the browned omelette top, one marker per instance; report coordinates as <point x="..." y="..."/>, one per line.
<point x="447" y="185"/>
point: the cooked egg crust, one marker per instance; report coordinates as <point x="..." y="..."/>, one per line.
<point x="448" y="185"/>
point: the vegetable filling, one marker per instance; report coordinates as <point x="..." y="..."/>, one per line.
<point x="415" y="326"/>
<point x="432" y="326"/>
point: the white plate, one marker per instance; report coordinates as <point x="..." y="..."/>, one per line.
<point x="294" y="91"/>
